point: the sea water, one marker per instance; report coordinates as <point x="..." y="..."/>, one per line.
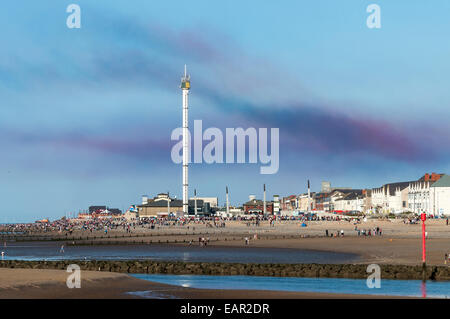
<point x="55" y="251"/>
<point x="389" y="287"/>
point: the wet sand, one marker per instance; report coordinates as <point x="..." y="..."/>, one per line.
<point x="51" y="284"/>
<point x="381" y="250"/>
<point x="400" y="243"/>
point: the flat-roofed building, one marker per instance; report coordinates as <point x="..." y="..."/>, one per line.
<point x="158" y="207"/>
<point x="276" y="204"/>
<point x="213" y="201"/>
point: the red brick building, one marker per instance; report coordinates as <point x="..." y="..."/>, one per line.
<point x="256" y="206"/>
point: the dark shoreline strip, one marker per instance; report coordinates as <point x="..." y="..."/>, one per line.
<point x="274" y="270"/>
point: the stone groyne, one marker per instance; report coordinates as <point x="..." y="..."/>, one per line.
<point x="275" y="270"/>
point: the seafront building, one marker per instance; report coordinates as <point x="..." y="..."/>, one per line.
<point x="413" y="196"/>
<point x="100" y="212"/>
<point x="350" y="201"/>
<point x="367" y="195"/>
<point x="304" y="200"/>
<point x="276" y="204"/>
<point x="339" y="194"/>
<point x="289" y="203"/>
<point x="440" y="196"/>
<point x="212" y="201"/>
<point x="256" y="206"/>
<point x="321" y="200"/>
<point x="391" y="198"/>
<point x="232" y="212"/>
<point x="163" y="205"/>
<point x="104" y="208"/>
<point x="419" y="198"/>
<point x="430" y="194"/>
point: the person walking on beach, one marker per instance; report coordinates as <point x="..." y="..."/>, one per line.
<point x="326" y="232"/>
<point x="445" y="259"/>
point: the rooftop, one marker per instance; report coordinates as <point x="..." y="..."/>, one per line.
<point x="444" y="181"/>
<point x="173" y="203"/>
<point x="257" y="202"/>
<point x="394" y="186"/>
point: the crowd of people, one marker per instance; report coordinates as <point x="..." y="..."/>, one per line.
<point x="106" y="225"/>
<point x="376" y="231"/>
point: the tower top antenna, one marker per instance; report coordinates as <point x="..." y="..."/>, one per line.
<point x="185" y="80"/>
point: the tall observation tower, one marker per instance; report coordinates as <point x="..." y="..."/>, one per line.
<point x="185" y="87"/>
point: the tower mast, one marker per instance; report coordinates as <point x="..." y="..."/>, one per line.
<point x="185" y="87"/>
<point x="228" y="203"/>
<point x="264" y="202"/>
<point x="309" y="198"/>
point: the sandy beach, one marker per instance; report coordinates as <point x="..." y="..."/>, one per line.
<point x="405" y="251"/>
<point x="400" y="243"/>
<point x="392" y="228"/>
<point x="51" y="284"/>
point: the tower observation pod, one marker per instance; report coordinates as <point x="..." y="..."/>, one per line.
<point x="185" y="87"/>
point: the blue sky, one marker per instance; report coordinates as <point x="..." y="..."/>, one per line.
<point x="86" y="114"/>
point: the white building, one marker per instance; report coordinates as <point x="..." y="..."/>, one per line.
<point x="305" y="202"/>
<point x="419" y="196"/>
<point x="233" y="212"/>
<point x="338" y="194"/>
<point x="276" y="204"/>
<point x="350" y="202"/>
<point x="391" y="198"/>
<point x="440" y="196"/>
